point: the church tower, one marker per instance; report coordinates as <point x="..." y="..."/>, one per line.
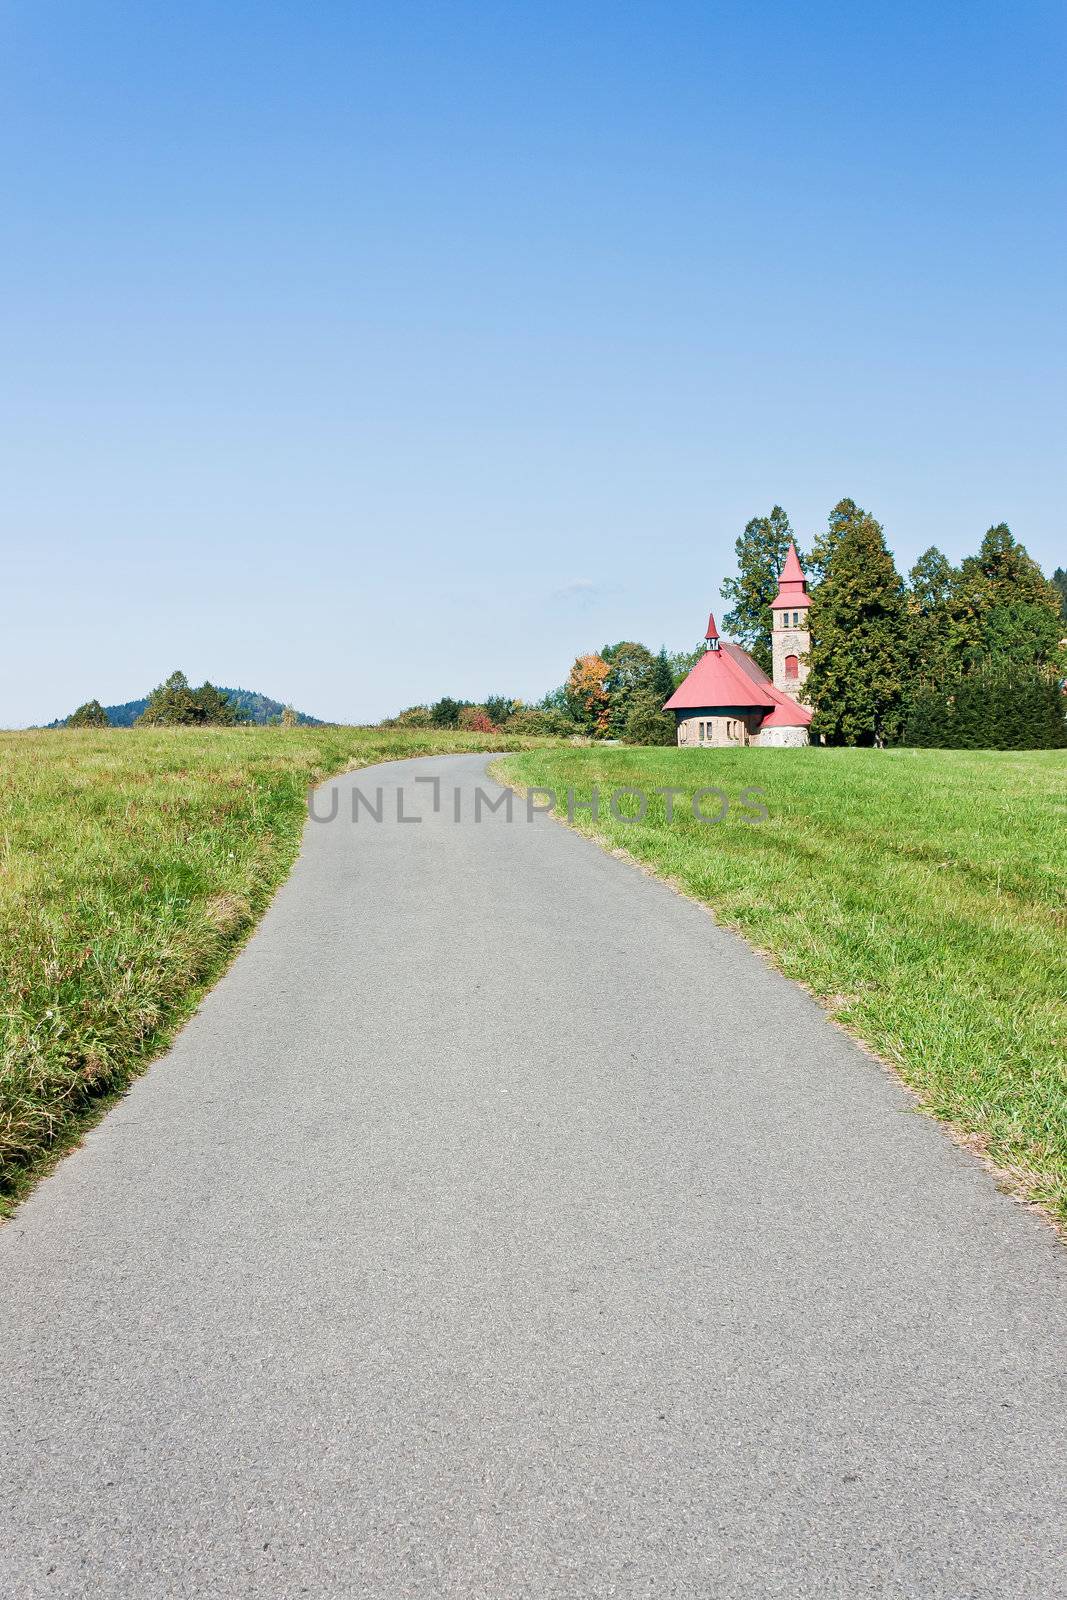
<point x="790" y="639"/>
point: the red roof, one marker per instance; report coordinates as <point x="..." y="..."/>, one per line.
<point x="787" y="714"/>
<point x="728" y="677"/>
<point x="713" y="632"/>
<point x="792" y="585"/>
<point x="717" y="680"/>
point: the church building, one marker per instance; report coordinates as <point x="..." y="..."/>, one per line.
<point x="728" y="700"/>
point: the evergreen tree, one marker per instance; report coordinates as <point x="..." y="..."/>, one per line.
<point x="930" y="588"/>
<point x="971" y="723"/>
<point x="928" y="720"/>
<point x="662" y="679"/>
<point x="215" y="708"/>
<point x="761" y="551"/>
<point x="171" y="704"/>
<point x="991" y="707"/>
<point x="840" y="520"/>
<point x="1023" y="633"/>
<point x="1003" y="606"/>
<point x="174" y="704"/>
<point x="444" y="713"/>
<point x="858" y="625"/>
<point x="499" y="707"/>
<point x="1059" y="578"/>
<point x="90" y="715"/>
<point x="930" y="579"/>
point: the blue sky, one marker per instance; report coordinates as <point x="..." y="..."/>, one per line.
<point x="363" y="353"/>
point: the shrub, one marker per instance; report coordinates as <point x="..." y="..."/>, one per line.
<point x="413" y="717"/>
<point x="542" y="721"/>
<point x="647" y="723"/>
<point x="1002" y="707"/>
<point x="476" y="719"/>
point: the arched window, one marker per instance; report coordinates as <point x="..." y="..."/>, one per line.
<point x="792" y="669"/>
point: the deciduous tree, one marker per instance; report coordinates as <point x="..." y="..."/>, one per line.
<point x="587" y="698"/>
<point x="630" y="671"/>
<point x="760" y="551"/>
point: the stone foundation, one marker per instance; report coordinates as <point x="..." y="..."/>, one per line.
<point x="782" y="738"/>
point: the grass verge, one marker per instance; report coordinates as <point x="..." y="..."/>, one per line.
<point x="919" y="894"/>
<point x="132" y="866"/>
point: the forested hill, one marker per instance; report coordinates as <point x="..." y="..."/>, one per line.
<point x="257" y="707"/>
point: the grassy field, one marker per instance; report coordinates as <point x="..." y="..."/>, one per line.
<point x="132" y="864"/>
<point x="920" y="895"/>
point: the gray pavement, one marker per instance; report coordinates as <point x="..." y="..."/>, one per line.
<point x="501" y="1227"/>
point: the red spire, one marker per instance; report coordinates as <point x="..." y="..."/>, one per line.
<point x="792" y="585"/>
<point x="792" y="572"/>
<point x="713" y="632"/>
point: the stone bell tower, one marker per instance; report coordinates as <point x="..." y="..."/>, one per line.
<point x="790" y="639"/>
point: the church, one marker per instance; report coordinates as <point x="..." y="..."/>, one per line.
<point x="728" y="700"/>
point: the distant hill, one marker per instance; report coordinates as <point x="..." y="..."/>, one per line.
<point x="259" y="708"/>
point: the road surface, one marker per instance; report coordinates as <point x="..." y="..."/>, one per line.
<point x="501" y="1227"/>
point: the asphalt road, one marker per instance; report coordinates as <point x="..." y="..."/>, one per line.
<point x="500" y="1227"/>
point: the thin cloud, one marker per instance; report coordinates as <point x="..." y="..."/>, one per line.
<point x="582" y="593"/>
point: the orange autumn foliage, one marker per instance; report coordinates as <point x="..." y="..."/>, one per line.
<point x="587" y="694"/>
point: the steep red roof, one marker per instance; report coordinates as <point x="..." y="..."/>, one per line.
<point x="728" y="676"/>
<point x="792" y="585"/>
<point x="752" y="669"/>
<point x="717" y="680"/>
<point x="713" y="632"/>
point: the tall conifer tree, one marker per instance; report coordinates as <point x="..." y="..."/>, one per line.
<point x="824" y="544"/>
<point x="859" y="628"/>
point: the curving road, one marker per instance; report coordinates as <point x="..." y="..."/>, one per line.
<point x="500" y="1227"/>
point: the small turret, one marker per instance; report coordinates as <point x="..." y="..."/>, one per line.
<point x="711" y="638"/>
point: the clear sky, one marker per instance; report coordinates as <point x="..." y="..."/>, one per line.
<point x="362" y="353"/>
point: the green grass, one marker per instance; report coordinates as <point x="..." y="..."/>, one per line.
<point x="132" y="865"/>
<point x="920" y="895"/>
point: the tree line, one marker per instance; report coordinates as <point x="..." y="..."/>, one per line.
<point x="616" y="693"/>
<point x="176" y="704"/>
<point x="970" y="656"/>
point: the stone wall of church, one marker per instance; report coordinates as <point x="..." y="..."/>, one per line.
<point x="721" y="727"/>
